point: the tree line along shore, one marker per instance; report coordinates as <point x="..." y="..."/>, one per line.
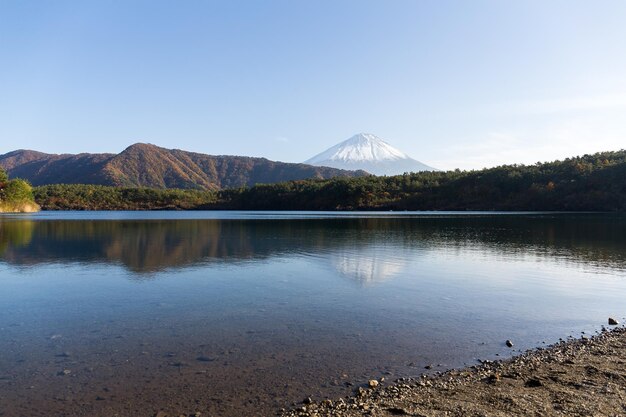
<point x="588" y="183"/>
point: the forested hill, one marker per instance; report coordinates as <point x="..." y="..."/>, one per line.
<point x="145" y="165"/>
<point x="591" y="182"/>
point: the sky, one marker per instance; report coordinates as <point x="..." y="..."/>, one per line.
<point x="455" y="84"/>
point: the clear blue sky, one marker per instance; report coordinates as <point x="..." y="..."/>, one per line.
<point x="453" y="83"/>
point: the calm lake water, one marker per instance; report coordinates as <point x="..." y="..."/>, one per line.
<point x="240" y="313"/>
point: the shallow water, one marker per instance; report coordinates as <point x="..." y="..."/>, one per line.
<point x="241" y="313"/>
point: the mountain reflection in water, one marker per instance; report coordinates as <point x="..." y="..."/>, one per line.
<point x="367" y="250"/>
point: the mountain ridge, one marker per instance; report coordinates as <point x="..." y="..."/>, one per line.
<point x="148" y="165"/>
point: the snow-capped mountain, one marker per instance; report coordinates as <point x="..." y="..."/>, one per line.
<point x="369" y="153"/>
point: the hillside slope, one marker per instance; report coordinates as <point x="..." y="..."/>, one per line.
<point x="145" y="165"/>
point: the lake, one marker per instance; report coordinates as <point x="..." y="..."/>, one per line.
<point x="242" y="313"/>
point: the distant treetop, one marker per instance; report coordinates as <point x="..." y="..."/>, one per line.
<point x="4" y="177"/>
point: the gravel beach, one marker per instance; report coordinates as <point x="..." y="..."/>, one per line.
<point x="576" y="377"/>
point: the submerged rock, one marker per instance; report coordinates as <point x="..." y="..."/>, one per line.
<point x="533" y="383"/>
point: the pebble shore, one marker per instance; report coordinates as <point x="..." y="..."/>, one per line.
<point x="576" y="377"/>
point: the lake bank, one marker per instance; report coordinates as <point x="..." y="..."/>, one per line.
<point x="28" y="207"/>
<point x="575" y="377"/>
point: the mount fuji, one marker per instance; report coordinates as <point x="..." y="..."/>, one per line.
<point x="369" y="153"/>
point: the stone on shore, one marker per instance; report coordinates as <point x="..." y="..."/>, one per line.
<point x="575" y="377"/>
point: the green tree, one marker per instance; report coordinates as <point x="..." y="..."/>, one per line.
<point x="18" y="191"/>
<point x="16" y="195"/>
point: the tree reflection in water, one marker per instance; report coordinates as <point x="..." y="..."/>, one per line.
<point x="149" y="246"/>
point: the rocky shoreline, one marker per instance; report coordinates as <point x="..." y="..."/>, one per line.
<point x="577" y="377"/>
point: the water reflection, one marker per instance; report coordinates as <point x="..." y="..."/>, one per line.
<point x="15" y="234"/>
<point x="368" y="265"/>
<point x="307" y="304"/>
<point x="366" y="250"/>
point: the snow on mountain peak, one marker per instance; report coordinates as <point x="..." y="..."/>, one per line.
<point x="370" y="153"/>
<point x="360" y="147"/>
